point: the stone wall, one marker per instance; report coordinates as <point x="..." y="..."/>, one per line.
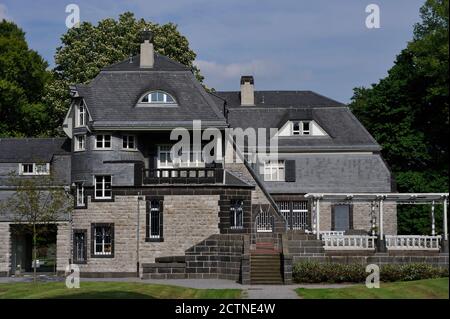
<point x="5" y="250"/>
<point x="123" y="214"/>
<point x="362" y="216"/>
<point x="218" y="256"/>
<point x="187" y="221"/>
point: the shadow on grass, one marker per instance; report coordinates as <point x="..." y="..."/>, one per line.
<point x="105" y="295"/>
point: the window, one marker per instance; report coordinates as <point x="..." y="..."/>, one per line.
<point x="342" y="217"/>
<point x="34" y="169"/>
<point x="102" y="240"/>
<point x="103" y="187"/>
<point x="128" y="142"/>
<point x="274" y="171"/>
<point x="165" y="159"/>
<point x="157" y="97"/>
<point x="301" y="128"/>
<point x="79" y="195"/>
<point x="81" y="114"/>
<point x="102" y="141"/>
<point x="237" y="214"/>
<point x="295" y="214"/>
<point x="154" y="221"/>
<point x="80" y="142"/>
<point x="79" y="246"/>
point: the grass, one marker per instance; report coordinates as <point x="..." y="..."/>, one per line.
<point x="110" y="290"/>
<point x="420" y="289"/>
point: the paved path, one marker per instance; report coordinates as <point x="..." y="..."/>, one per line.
<point x="249" y="291"/>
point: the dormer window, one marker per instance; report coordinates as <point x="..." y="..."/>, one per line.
<point x="301" y="128"/>
<point x="157" y="97"/>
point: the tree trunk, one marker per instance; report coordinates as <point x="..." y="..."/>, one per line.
<point x="34" y="252"/>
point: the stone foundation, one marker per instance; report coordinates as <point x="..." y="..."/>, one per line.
<point x="5" y="249"/>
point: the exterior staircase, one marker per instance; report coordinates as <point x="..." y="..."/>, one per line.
<point x="265" y="263"/>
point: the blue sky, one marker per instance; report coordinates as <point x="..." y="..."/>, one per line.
<point x="319" y="45"/>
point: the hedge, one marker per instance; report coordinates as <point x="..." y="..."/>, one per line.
<point x="315" y="272"/>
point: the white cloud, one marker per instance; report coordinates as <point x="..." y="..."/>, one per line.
<point x="235" y="70"/>
<point x="3" y="12"/>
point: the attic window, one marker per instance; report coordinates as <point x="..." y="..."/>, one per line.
<point x="157" y="97"/>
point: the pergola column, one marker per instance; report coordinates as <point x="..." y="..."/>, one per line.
<point x="381" y="244"/>
<point x="318" y="218"/>
<point x="444" y="242"/>
<point x="433" y="220"/>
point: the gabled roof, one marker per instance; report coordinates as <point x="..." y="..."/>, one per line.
<point x="274" y="108"/>
<point x="19" y="150"/>
<point x="112" y="96"/>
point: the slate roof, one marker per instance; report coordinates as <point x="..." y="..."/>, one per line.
<point x="17" y="150"/>
<point x="344" y="130"/>
<point x="112" y="96"/>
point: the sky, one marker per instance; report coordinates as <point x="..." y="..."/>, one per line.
<point x="318" y="45"/>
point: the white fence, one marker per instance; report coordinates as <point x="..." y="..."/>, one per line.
<point x="332" y="233"/>
<point x="348" y="242"/>
<point x="412" y="242"/>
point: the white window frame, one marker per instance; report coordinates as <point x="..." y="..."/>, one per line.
<point x="103" y="141"/>
<point x="194" y="159"/>
<point x="103" y="189"/>
<point x="235" y="213"/>
<point x="151" y="101"/>
<point x="126" y="140"/>
<point x="79" y="194"/>
<point x="301" y="128"/>
<point x="154" y="210"/>
<point x="80" y="118"/>
<point x="103" y="252"/>
<point x="34" y="169"/>
<point x="277" y="168"/>
<point x="77" y="146"/>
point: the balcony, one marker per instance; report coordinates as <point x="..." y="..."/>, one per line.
<point x="183" y="176"/>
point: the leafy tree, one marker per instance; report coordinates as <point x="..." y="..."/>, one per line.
<point x="407" y="112"/>
<point x="22" y="79"/>
<point x="36" y="204"/>
<point x="87" y="49"/>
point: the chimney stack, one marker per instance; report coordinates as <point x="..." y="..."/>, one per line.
<point x="247" y="90"/>
<point x="147" y="58"/>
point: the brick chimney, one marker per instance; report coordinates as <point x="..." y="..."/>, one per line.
<point x="247" y="90"/>
<point x="147" y="57"/>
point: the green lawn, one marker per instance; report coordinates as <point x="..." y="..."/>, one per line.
<point x="420" y="289"/>
<point x="110" y="290"/>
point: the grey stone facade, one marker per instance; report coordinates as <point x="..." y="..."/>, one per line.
<point x="5" y="249"/>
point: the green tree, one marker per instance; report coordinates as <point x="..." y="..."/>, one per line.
<point x="22" y="79"/>
<point x="407" y="112"/>
<point x="87" y="49"/>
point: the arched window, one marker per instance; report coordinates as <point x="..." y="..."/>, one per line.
<point x="157" y="97"/>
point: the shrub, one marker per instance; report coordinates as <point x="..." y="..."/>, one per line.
<point x="315" y="272"/>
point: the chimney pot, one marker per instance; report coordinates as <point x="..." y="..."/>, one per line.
<point x="247" y="90"/>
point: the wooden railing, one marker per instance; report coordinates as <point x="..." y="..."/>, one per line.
<point x="348" y="242"/>
<point x="412" y="242"/>
<point x="182" y="176"/>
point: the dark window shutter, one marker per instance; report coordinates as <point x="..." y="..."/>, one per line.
<point x="161" y="222"/>
<point x="290" y="171"/>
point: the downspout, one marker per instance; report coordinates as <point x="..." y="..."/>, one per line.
<point x="138" y="234"/>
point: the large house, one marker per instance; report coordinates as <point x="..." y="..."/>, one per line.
<point x="138" y="211"/>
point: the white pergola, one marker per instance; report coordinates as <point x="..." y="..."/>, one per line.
<point x="380" y="198"/>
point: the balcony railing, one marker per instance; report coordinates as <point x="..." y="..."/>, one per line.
<point x="348" y="242"/>
<point x="182" y="176"/>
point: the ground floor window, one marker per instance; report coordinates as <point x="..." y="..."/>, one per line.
<point x="237" y="214"/>
<point x="79" y="246"/>
<point x="295" y="214"/>
<point x="341" y="217"/>
<point x="102" y="240"/>
<point x="154" y="220"/>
